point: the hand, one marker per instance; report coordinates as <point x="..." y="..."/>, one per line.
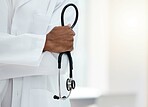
<point x="59" y="39"/>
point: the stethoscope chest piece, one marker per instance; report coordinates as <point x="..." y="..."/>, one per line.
<point x="70" y="84"/>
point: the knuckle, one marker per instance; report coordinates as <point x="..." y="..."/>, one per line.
<point x="72" y="39"/>
<point x="55" y="27"/>
<point x="73" y="33"/>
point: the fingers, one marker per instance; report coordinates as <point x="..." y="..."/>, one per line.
<point x="70" y="29"/>
<point x="64" y="30"/>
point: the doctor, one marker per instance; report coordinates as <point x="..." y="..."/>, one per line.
<point x="30" y="39"/>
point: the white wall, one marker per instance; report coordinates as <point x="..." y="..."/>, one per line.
<point x="128" y="44"/>
<point x="128" y="48"/>
<point x="118" y="49"/>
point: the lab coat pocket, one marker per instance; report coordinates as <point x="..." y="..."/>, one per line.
<point x="44" y="98"/>
<point x="40" y="23"/>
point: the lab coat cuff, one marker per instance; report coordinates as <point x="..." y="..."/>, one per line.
<point x="41" y="44"/>
<point x="40" y="40"/>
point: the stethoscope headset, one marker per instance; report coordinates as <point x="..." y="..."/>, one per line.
<point x="70" y="83"/>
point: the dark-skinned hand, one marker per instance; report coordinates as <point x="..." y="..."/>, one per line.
<point x="59" y="39"/>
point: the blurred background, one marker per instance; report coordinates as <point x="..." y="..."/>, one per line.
<point x="111" y="54"/>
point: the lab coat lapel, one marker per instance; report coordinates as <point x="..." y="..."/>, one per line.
<point x="21" y="3"/>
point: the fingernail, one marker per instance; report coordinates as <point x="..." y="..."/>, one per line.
<point x="69" y="25"/>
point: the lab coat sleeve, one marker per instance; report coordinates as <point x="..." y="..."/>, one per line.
<point x="24" y="49"/>
<point x="69" y="19"/>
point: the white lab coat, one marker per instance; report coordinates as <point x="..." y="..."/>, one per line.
<point x="21" y="57"/>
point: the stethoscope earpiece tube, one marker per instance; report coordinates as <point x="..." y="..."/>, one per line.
<point x="70" y="83"/>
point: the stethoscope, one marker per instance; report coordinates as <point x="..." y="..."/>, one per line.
<point x="70" y="83"/>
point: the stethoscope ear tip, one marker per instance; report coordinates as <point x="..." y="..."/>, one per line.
<point x="64" y="97"/>
<point x="56" y="97"/>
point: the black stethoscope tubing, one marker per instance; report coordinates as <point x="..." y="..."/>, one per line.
<point x="63" y="24"/>
<point x="63" y="11"/>
<point x="70" y="83"/>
